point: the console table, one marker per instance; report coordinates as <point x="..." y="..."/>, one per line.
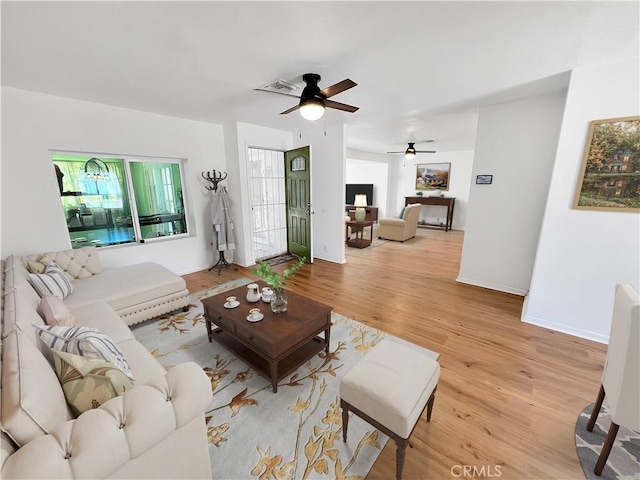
<point x="371" y="215"/>
<point x="448" y="202"/>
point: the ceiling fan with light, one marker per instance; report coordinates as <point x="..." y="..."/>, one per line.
<point x="410" y="152"/>
<point x="314" y="101"/>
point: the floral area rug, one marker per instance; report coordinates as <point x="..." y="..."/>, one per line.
<point x="295" y="433"/>
<point x="624" y="459"/>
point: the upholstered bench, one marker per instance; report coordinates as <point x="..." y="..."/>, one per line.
<point x="389" y="388"/>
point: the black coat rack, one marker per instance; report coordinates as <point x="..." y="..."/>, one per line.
<point x="215" y="178"/>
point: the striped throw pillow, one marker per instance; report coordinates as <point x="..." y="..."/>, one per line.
<point x="84" y="341"/>
<point x="52" y="281"/>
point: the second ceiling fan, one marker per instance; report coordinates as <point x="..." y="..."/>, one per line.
<point x="410" y="152"/>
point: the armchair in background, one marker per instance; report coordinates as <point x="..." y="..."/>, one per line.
<point x="621" y="378"/>
<point x="401" y="229"/>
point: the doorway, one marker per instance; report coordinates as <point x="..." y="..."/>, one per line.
<point x="268" y="202"/>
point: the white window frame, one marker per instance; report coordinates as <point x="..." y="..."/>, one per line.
<point x="127" y="159"/>
<point x="134" y="205"/>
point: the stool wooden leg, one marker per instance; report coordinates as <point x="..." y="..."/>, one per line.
<point x="345" y="419"/>
<point x="430" y="403"/>
<point x="401" y="445"/>
<point x="606" y="449"/>
<point x="596" y="409"/>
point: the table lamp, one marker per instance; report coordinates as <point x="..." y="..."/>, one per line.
<point x="359" y="202"/>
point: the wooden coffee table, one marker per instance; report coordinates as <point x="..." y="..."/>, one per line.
<point x="279" y="343"/>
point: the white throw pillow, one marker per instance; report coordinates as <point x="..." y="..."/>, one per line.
<point x="53" y="281"/>
<point x="84" y="341"/>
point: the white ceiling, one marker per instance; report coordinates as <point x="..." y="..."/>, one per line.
<point x="422" y="68"/>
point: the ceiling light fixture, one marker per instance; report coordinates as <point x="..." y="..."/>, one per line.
<point x="311" y="108"/>
<point x="410" y="153"/>
<point x="311" y="102"/>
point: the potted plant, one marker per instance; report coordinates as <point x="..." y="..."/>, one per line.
<point x="271" y="277"/>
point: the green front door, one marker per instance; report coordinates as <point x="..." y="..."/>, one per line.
<point x="298" y="188"/>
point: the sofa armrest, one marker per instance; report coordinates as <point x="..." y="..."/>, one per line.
<point x="101" y="441"/>
<point x="394" y="222"/>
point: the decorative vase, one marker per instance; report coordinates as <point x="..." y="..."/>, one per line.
<point x="279" y="301"/>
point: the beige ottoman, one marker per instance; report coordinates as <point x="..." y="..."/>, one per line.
<point x="389" y="389"/>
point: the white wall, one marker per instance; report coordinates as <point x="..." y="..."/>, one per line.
<point x="32" y="216"/>
<point x="582" y="254"/>
<point x="328" y="154"/>
<point x="362" y="171"/>
<point x="248" y="135"/>
<point x="516" y="143"/>
<point x="391" y="174"/>
<point x="460" y="177"/>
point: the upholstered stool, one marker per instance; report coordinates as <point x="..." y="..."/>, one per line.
<point x="389" y="389"/>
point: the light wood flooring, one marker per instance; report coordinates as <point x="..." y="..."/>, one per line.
<point x="509" y="393"/>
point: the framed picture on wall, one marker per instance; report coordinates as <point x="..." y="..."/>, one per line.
<point x="432" y="176"/>
<point x="610" y="174"/>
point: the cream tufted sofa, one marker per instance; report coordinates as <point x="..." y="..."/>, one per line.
<point x="155" y="430"/>
<point x="137" y="292"/>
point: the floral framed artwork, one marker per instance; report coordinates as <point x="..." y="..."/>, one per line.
<point x="610" y="175"/>
<point x="432" y="176"/>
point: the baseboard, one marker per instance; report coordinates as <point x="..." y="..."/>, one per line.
<point x="194" y="270"/>
<point x="493" y="286"/>
<point x="558" y="327"/>
<point x="328" y="258"/>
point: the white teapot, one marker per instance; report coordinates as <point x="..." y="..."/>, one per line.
<point x="253" y="294"/>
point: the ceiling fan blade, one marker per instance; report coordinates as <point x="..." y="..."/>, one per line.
<point x="337" y="88"/>
<point x="397" y="152"/>
<point x="292" y="109"/>
<point x="340" y="106"/>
